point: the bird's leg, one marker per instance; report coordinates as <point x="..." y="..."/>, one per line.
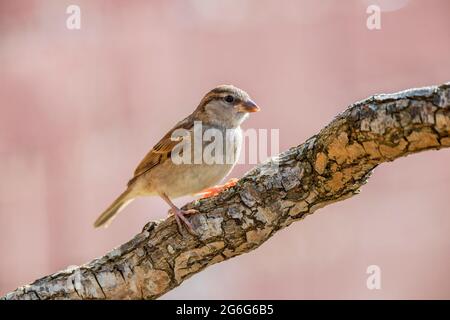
<point x="210" y="192"/>
<point x="179" y="214"/>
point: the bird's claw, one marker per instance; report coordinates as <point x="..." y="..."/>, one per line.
<point x="180" y="219"/>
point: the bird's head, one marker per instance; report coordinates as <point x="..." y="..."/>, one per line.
<point x="226" y="106"/>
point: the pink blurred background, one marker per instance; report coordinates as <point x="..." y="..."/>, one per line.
<point x="80" y="108"/>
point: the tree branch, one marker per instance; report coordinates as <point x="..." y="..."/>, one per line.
<point x="330" y="166"/>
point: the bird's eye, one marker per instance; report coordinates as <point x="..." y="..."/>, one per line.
<point x="229" y="99"/>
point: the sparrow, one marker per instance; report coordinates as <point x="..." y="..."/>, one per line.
<point x="219" y="114"/>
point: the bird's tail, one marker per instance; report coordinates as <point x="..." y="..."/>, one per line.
<point x="106" y="217"/>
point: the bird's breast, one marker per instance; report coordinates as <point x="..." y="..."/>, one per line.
<point x="198" y="168"/>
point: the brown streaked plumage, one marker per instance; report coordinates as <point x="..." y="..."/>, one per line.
<point x="223" y="108"/>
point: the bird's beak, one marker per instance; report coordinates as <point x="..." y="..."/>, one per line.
<point x="247" y="106"/>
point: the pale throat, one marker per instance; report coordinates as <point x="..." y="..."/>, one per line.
<point x="226" y="120"/>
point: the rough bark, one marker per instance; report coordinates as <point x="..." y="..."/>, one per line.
<point x="330" y="166"/>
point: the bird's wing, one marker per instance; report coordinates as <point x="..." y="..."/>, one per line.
<point x="162" y="150"/>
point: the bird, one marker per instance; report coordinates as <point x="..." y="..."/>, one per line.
<point x="219" y="114"/>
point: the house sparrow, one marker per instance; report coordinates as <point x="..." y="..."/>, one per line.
<point x="222" y="110"/>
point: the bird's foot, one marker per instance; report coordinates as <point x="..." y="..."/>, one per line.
<point x="210" y="192"/>
<point x="180" y="219"/>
